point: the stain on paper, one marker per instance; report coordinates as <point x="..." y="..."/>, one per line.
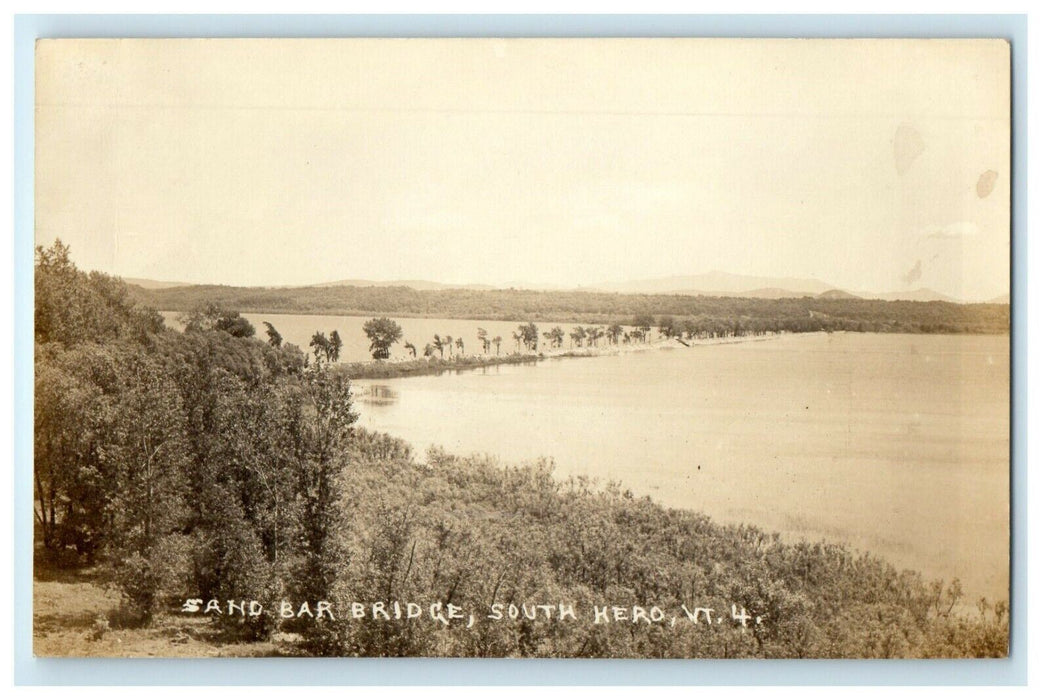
<point x="985" y="185"/>
<point x="906" y="147"/>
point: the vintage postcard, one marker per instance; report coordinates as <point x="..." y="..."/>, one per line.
<point x="605" y="348"/>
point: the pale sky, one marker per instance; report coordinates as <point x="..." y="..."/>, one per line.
<point x="872" y="165"/>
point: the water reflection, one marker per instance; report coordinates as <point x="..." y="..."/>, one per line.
<point x="484" y="369"/>
<point x="377" y="394"/>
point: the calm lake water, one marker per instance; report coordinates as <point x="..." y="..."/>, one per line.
<point x="298" y="329"/>
<point x="897" y="444"/>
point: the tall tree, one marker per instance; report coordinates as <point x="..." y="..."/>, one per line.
<point x="275" y="338"/>
<point x="320" y="345"/>
<point x="644" y="323"/>
<point x="528" y="334"/>
<point x="147" y="460"/>
<point x="334" y="346"/>
<point x="326" y="432"/>
<point x="383" y="332"/>
<point x="668" y="327"/>
<point x="72" y="417"/>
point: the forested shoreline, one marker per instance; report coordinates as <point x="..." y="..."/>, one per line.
<point x="212" y="465"/>
<point x="712" y="315"/>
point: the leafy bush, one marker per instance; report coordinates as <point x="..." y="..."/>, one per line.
<point x="472" y="532"/>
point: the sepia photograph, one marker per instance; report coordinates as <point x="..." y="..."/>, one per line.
<point x="600" y="348"/>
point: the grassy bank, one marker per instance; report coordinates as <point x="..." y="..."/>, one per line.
<point x="385" y="369"/>
<point x="379" y="369"/>
<point x="77" y="613"/>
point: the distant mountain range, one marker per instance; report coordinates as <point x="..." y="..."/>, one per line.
<point x="421" y="285"/>
<point x="712" y="283"/>
<point x="155" y="284"/>
<point x="721" y="284"/>
<point x="726" y="284"/>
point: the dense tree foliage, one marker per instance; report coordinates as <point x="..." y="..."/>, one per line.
<point x="204" y="461"/>
<point x="382" y="332"/>
<point x="326" y="348"/>
<point x="211" y="316"/>
<point x="714" y="315"/>
<point x="72" y="307"/>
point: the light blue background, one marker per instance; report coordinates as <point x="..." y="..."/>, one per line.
<point x="29" y="670"/>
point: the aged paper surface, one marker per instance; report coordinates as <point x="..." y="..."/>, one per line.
<point x="532" y="347"/>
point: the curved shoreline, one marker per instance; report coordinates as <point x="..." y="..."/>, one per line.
<point x="387" y="369"/>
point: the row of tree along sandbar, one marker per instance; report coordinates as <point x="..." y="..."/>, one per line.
<point x="188" y="485"/>
<point x="447" y="353"/>
<point x="713" y="314"/>
<point x="526" y="344"/>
